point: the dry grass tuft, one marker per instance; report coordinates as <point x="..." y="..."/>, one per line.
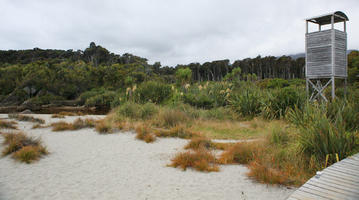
<point x="103" y="127"/>
<point x="64" y="113"/>
<point x="35" y="126"/>
<point x="76" y="125"/>
<point x="201" y="160"/>
<point x="145" y="133"/>
<point x="265" y="174"/>
<point x="200" y="142"/>
<point x="241" y="153"/>
<point x="179" y="131"/>
<point x="29" y="154"/>
<point x="57" y="116"/>
<point x="8" y="124"/>
<point x="26" y="118"/>
<point x="24" y="148"/>
<point x="170" y="118"/>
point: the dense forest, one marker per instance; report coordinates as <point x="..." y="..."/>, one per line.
<point x="40" y="77"/>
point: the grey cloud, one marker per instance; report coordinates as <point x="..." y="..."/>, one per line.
<point x="173" y="32"/>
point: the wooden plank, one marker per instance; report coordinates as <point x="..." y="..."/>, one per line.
<point x="342" y="175"/>
<point x="347" y="166"/>
<point x="304" y="195"/>
<point x="333" y="184"/>
<point x="340" y="179"/>
<point x="323" y="187"/>
<point x="322" y="192"/>
<point x="339" y="182"/>
<point x="319" y="193"/>
<point x="346" y="171"/>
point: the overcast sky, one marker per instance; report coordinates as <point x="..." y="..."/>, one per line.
<point x="172" y="32"/>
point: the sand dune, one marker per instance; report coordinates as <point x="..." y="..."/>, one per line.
<point x="85" y="165"/>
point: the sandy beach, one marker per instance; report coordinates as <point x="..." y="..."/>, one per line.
<point x="86" y="165"/>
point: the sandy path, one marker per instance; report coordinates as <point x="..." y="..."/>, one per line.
<point x="86" y="165"/>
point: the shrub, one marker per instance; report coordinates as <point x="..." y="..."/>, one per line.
<point x="148" y="110"/>
<point x="45" y="99"/>
<point x="201" y="160"/>
<point x="247" y="102"/>
<point x="152" y="91"/>
<point x="26" y="118"/>
<point x="198" y="100"/>
<point x="200" y="142"/>
<point x="274" y="83"/>
<point x="171" y="118"/>
<point x="8" y="124"/>
<point x="279" y="100"/>
<point x="279" y="136"/>
<point x="130" y="110"/>
<point x="101" y="100"/>
<point x="144" y="133"/>
<point x="322" y="133"/>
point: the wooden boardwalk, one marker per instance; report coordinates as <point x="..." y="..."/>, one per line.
<point x="338" y="181"/>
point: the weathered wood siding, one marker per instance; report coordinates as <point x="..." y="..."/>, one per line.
<point x="340" y="53"/>
<point x="319" y="53"/>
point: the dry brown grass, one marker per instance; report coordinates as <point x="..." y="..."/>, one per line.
<point x="26" y="118"/>
<point x="143" y="132"/>
<point x="200" y="142"/>
<point x="180" y="131"/>
<point x="64" y="113"/>
<point x="103" y="127"/>
<point x="201" y="160"/>
<point x="24" y="148"/>
<point x="35" y="126"/>
<point x="265" y="174"/>
<point x="76" y="125"/>
<point x="28" y="154"/>
<point x="57" y="116"/>
<point x="170" y="118"/>
<point x="240" y="153"/>
<point x="8" y="124"/>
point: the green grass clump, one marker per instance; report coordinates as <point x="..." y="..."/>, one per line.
<point x="171" y="117"/>
<point x="324" y="132"/>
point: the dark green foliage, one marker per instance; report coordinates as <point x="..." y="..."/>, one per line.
<point x="278" y="101"/>
<point x="247" y="101"/>
<point x="101" y="100"/>
<point x="152" y="91"/>
<point x="198" y="100"/>
<point x="325" y="131"/>
<point x="136" y="111"/>
<point x="45" y="99"/>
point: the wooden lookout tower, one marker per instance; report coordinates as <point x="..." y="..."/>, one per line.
<point x="325" y="54"/>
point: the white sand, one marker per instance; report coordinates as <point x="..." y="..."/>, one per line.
<point x="85" y="165"/>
